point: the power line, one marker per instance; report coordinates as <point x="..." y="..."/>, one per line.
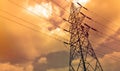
<point x="30" y="28"/>
<point x="84" y="8"/>
<point x="91" y="19"/>
<point x="39" y="16"/>
<point x="35" y="14"/>
<point x="24" y="20"/>
<point x="97" y="15"/>
<point x="45" y="33"/>
<point x="20" y="18"/>
<point x="50" y="36"/>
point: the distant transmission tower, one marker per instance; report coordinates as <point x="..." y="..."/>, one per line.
<point x="82" y="55"/>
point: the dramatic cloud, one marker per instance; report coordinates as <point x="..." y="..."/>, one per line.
<point x="110" y="62"/>
<point x="9" y="67"/>
<point x="17" y="67"/>
<point x="110" y="45"/>
<point x="106" y="13"/>
<point x="51" y="61"/>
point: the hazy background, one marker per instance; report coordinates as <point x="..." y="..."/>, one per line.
<point x="29" y="39"/>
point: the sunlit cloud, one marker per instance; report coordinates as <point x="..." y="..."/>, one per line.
<point x="43" y="9"/>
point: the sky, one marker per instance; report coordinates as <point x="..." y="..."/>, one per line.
<point x="30" y="39"/>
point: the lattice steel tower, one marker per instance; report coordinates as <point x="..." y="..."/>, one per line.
<point x="82" y="55"/>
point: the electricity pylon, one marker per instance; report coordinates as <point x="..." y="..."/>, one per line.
<point x="82" y="55"/>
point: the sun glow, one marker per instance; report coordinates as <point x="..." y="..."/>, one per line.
<point x="56" y="31"/>
<point x="43" y="9"/>
<point x="83" y="2"/>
